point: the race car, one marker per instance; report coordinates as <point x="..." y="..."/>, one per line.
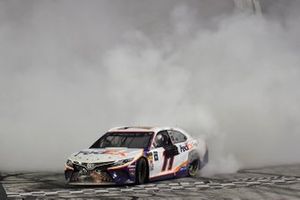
<point x="136" y="155"/>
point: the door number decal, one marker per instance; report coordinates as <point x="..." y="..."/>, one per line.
<point x="168" y="162"/>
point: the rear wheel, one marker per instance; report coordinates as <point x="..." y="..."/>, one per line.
<point x="193" y="168"/>
<point x="141" y="171"/>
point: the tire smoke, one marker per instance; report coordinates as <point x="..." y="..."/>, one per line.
<point x="71" y="70"/>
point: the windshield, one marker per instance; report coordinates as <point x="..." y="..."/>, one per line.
<point x="124" y="139"/>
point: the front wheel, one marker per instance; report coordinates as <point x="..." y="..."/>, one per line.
<point x="141" y="171"/>
<point x="193" y="168"/>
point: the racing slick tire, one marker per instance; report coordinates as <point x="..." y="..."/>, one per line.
<point x="141" y="171"/>
<point x="193" y="168"/>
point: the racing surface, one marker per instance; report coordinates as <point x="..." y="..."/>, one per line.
<point x="279" y="182"/>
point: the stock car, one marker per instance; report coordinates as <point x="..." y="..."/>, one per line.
<point x="136" y="155"/>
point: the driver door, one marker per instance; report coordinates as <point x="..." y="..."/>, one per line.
<point x="163" y="156"/>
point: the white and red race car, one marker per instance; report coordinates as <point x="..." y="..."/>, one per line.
<point x="137" y="155"/>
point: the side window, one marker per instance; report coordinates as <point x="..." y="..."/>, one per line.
<point x="162" y="139"/>
<point x="177" y="137"/>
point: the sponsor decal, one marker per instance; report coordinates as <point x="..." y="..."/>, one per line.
<point x="131" y="169"/>
<point x="155" y="154"/>
<point x="190" y="145"/>
<point x="87" y="152"/>
<point x="150" y="156"/>
<point x="121" y="153"/>
<point x="184" y="148"/>
<point x="150" y="160"/>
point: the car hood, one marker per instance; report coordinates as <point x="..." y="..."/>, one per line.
<point x="105" y="155"/>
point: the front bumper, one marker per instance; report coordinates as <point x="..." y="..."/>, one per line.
<point x="80" y="175"/>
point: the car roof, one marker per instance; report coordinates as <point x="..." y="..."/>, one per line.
<point x="143" y="129"/>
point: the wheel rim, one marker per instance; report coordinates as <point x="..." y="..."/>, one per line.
<point x="193" y="168"/>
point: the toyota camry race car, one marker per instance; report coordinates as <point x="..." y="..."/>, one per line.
<point x="137" y="155"/>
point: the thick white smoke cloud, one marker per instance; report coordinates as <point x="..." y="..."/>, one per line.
<point x="71" y="70"/>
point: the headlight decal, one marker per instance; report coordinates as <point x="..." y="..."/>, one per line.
<point x="130" y="162"/>
<point x="122" y="162"/>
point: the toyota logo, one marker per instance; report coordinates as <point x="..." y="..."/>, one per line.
<point x="90" y="166"/>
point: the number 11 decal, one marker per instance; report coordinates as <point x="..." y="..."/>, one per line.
<point x="167" y="161"/>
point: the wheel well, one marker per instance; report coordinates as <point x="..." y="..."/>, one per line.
<point x="193" y="155"/>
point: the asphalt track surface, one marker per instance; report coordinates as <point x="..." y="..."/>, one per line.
<point x="279" y="182"/>
<point x="2" y="190"/>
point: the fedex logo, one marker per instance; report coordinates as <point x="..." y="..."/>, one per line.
<point x="183" y="148"/>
